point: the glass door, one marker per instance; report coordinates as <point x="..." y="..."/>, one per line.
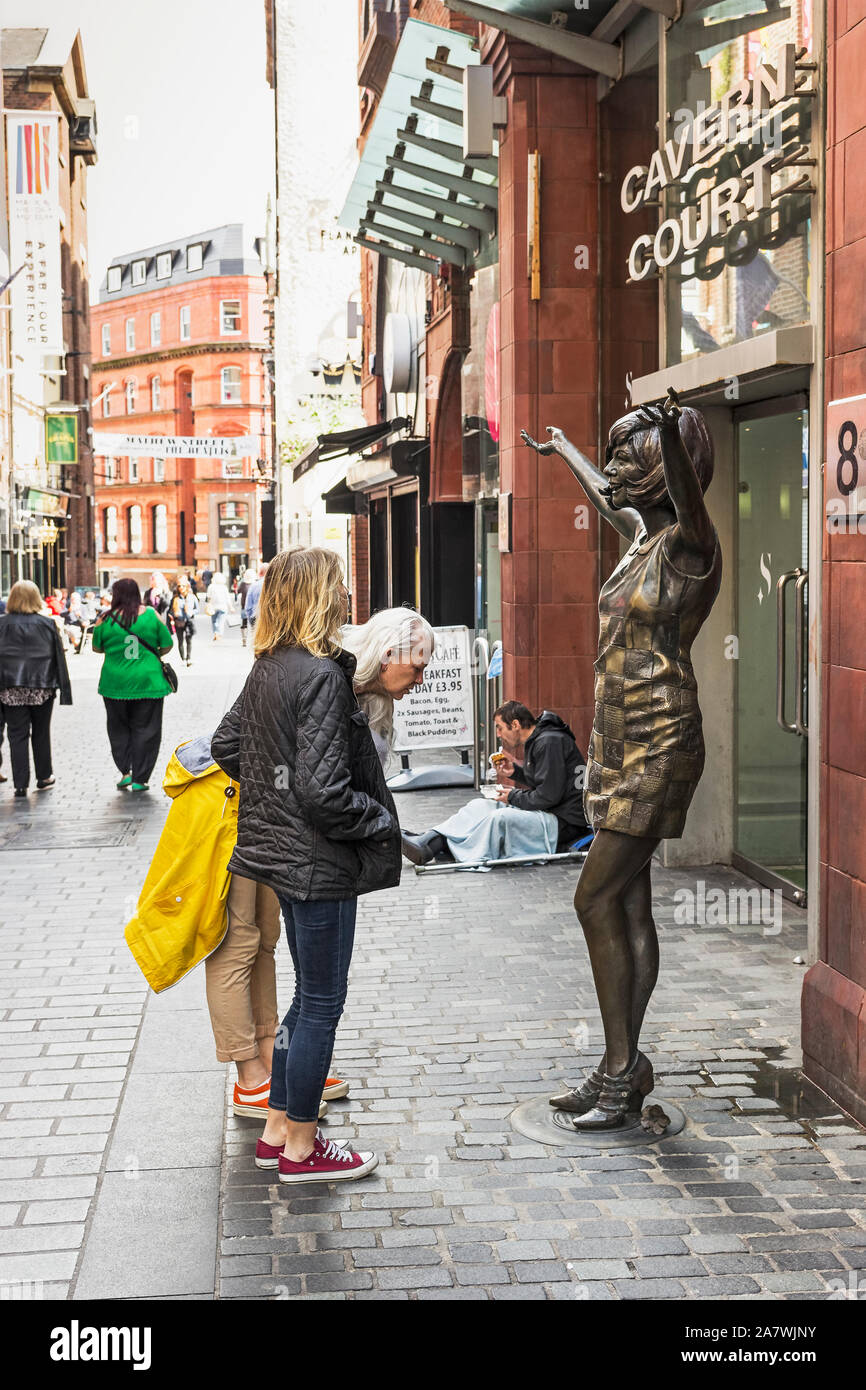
<point x="772" y="578"/>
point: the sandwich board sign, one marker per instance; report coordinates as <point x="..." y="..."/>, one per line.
<point x="441" y="712"/>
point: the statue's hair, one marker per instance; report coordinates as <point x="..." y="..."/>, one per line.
<point x="644" y="445"/>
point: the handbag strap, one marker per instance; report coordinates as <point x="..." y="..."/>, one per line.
<point x="137" y="637"/>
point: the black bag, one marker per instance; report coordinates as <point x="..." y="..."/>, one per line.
<point x="168" y="671"/>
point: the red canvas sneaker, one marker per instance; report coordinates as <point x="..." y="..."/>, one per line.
<point x="335" y="1089"/>
<point x="327" y="1163"/>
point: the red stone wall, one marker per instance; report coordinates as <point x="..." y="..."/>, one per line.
<point x="834" y="994"/>
<point x="549" y="377"/>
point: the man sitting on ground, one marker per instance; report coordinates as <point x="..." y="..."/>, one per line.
<point x="539" y="812"/>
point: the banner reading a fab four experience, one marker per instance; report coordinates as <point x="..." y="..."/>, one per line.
<point x="439" y="713"/>
<point x="34" y="235"/>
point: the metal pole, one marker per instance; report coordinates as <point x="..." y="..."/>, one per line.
<point x="481" y="656"/>
<point x="575" y="855"/>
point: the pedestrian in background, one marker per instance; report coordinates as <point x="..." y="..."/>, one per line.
<point x="74" y="621"/>
<point x="320" y="834"/>
<point x="254" y="593"/>
<point x="32" y="670"/>
<point x="218" y="601"/>
<point x="132" y="684"/>
<point x="181" y="615"/>
<point x="243" y="589"/>
<point x="158" y="595"/>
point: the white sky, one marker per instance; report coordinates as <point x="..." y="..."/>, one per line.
<point x="184" y="115"/>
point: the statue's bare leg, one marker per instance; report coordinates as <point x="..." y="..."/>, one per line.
<point x="619" y="941"/>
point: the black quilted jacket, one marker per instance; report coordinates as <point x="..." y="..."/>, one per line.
<point x="315" y="818"/>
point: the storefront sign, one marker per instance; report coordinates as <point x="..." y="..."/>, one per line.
<point x="34" y="235"/>
<point x="61" y="438"/>
<point x="845" y="467"/>
<point x="439" y="713"/>
<point x="173" y="446"/>
<point x="46" y="503"/>
<point x="744" y="121"/>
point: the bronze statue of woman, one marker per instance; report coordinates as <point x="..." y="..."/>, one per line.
<point x="647" y="749"/>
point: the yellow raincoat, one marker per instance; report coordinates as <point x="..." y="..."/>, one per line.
<point x="181" y="916"/>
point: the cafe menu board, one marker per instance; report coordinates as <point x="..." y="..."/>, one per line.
<point x="439" y="713"/>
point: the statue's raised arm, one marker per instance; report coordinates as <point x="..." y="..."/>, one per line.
<point x="693" y="537"/>
<point x="593" y="481"/>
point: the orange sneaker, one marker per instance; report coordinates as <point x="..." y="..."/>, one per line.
<point x="335" y="1089"/>
<point x="254" y="1103"/>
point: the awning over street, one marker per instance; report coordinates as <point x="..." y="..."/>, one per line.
<point x="415" y="197"/>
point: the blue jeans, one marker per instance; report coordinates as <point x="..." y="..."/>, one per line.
<point x="321" y="936"/>
<point x="217" y="619"/>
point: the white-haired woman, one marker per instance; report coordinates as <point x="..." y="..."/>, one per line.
<point x="391" y="651"/>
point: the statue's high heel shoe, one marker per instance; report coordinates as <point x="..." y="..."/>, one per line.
<point x="584" y="1097"/>
<point x="620" y="1096"/>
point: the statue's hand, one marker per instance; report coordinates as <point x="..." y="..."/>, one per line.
<point x="549" y="447"/>
<point x="656" y="417"/>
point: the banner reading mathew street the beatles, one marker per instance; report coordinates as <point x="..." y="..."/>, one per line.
<point x="34" y="235"/>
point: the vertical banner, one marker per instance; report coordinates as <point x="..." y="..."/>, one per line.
<point x="33" y="170"/>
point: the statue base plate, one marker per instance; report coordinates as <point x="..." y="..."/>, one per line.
<point x="536" y="1119"/>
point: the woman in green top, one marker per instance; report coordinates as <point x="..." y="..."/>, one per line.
<point x="132" y="683"/>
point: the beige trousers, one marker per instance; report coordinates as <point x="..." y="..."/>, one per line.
<point x="241" y="975"/>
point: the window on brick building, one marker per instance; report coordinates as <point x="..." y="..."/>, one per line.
<point x="185" y="324"/>
<point x="130" y="335"/>
<point x="230" y="385"/>
<point x="110" y="524"/>
<point x="131" y="390"/>
<point x="163" y="265"/>
<point x="160" y="529"/>
<point x="139" y="272"/>
<point x="159" y="470"/>
<point x="155" y="330"/>
<point x="134" y="471"/>
<point x="106" y="405"/>
<point x="136" y="536"/>
<point x="155" y="393"/>
<point x="115" y="275"/>
<point x="194" y="257"/>
<point x="106" y="339"/>
<point x="230" y="316"/>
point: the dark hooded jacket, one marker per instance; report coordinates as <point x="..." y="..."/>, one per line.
<point x="315" y="818"/>
<point x="552" y="776"/>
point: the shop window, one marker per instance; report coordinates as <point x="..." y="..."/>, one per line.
<point x="755" y="277"/>
<point x="130" y="335"/>
<point x="155" y="393"/>
<point x="230" y="316"/>
<point x="136" y="538"/>
<point x="109" y="517"/>
<point x="163" y="265"/>
<point x="479" y="387"/>
<point x="185" y="323"/>
<point x="115" y="275"/>
<point x="106" y="339"/>
<point x="155" y="329"/>
<point x="230" y="385"/>
<point x="160" y="529"/>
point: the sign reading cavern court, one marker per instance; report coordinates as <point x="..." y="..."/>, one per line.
<point x="750" y="122"/>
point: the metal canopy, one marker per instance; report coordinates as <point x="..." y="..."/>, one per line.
<point x="604" y="58"/>
<point x="445" y="204"/>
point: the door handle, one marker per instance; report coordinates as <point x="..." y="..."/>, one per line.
<point x="799" y="634"/>
<point x="781" y="584"/>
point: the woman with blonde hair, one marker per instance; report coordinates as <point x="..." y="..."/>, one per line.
<point x="316" y="823"/>
<point x="32" y="670"/>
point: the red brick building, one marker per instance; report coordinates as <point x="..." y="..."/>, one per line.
<point x="179" y="343"/>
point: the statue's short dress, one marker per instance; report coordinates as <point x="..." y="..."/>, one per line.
<point x="646" y="753"/>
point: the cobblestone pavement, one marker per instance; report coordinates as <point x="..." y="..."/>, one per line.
<point x="469" y="994"/>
